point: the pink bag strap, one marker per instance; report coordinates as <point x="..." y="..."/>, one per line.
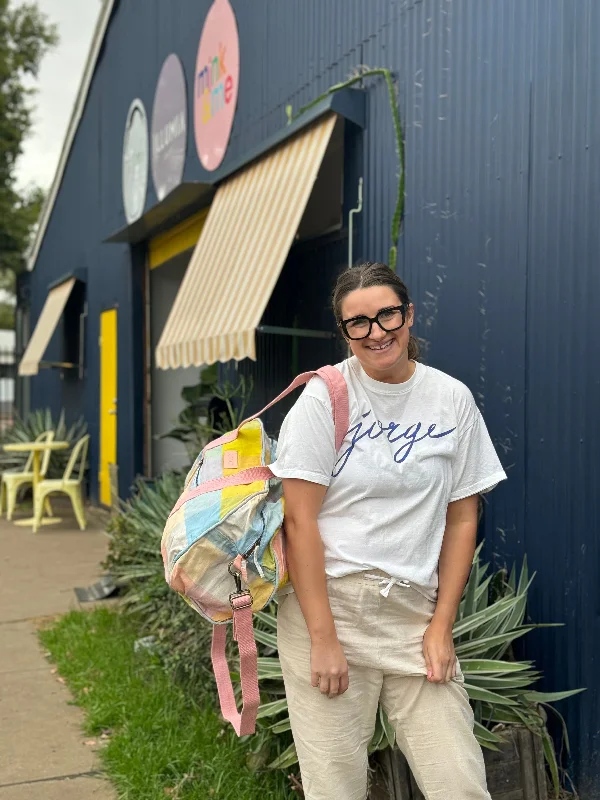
<point x="244" y="722"/>
<point x="338" y="394"/>
<point x="243" y="477"/>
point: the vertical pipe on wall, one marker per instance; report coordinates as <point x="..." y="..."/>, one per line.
<point x="354" y="211"/>
<point x="148" y="465"/>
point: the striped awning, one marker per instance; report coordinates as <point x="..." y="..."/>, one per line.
<point x="46" y="325"/>
<point x="246" y="239"/>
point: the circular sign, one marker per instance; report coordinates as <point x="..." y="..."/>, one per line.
<point x="169" y="127"/>
<point x="135" y="162"/>
<point x="216" y="84"/>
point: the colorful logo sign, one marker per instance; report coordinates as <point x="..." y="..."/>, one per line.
<point x="169" y="127"/>
<point x="135" y="162"/>
<point x="216" y="84"/>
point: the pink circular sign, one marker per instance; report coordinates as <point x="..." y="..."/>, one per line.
<point x="216" y="84"/>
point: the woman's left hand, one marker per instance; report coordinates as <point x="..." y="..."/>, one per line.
<point x="438" y="648"/>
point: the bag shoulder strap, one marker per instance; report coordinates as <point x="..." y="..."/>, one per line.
<point x="338" y="394"/>
<point x="244" y="722"/>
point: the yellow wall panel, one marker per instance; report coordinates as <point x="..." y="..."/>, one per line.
<point x="177" y="240"/>
<point x="108" y="400"/>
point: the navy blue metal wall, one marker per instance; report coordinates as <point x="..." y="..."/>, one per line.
<point x="500" y="245"/>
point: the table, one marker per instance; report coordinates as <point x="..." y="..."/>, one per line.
<point x="37" y="448"/>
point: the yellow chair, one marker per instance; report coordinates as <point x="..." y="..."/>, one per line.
<point x="65" y="485"/>
<point x="12" y="481"/>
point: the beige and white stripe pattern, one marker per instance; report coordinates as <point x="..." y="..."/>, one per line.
<point x="46" y="325"/>
<point x="246" y="239"/>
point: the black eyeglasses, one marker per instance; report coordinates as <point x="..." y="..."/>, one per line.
<point x="388" y="319"/>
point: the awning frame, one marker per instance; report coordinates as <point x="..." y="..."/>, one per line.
<point x="303" y="333"/>
<point x="79" y="277"/>
<point x="265" y="202"/>
<point x="190" y="197"/>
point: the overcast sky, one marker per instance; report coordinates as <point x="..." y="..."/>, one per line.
<point x="58" y="83"/>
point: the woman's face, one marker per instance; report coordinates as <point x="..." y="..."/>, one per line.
<point x="383" y="355"/>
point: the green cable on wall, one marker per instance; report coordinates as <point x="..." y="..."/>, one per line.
<point x="361" y="75"/>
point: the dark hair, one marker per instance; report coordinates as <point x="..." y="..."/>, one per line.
<point x="363" y="276"/>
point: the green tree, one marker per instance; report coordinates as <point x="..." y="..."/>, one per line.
<point x="25" y="37"/>
<point x="7" y="316"/>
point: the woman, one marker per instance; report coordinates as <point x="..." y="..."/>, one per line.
<point x="380" y="540"/>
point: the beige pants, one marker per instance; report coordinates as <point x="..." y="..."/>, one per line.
<point x="382" y="638"/>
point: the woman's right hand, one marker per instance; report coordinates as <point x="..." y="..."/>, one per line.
<point x="306" y="565"/>
<point x="328" y="666"/>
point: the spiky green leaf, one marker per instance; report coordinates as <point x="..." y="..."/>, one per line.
<point x="270" y="620"/>
<point x="486" y="646"/>
<point x="551" y="697"/>
<point x="489" y="666"/>
<point x="268" y="639"/>
<point x="287" y="759"/>
<point x="269" y="668"/>
<point x="507" y="682"/>
<point x="550" y="755"/>
<point x="484" y="734"/>
<point x="494" y="698"/>
<point x="470" y="593"/>
<point x="502" y="608"/>
<point x="388" y="729"/>
<point x="282" y="726"/>
<point x="272" y="709"/>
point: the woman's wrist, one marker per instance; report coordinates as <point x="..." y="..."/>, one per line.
<point x="444" y="615"/>
<point x="323" y="634"/>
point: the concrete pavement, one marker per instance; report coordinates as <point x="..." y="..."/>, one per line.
<point x="42" y="750"/>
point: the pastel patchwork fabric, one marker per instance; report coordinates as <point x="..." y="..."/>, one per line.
<point x="211" y="527"/>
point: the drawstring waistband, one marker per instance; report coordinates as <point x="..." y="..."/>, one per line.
<point x="387" y="583"/>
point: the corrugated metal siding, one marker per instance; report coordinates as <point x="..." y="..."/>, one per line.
<point x="500" y="249"/>
<point x="500" y="245"/>
<point x="464" y="247"/>
<point x="563" y="387"/>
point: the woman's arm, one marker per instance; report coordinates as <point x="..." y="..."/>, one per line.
<point x="306" y="564"/>
<point x="455" y="563"/>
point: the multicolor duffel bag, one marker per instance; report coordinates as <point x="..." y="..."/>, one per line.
<point x="223" y="546"/>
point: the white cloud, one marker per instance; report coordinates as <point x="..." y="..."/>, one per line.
<point x="59" y="80"/>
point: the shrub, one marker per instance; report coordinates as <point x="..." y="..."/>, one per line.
<point x="134" y="559"/>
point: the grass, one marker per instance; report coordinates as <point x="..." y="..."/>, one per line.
<point x="158" y="743"/>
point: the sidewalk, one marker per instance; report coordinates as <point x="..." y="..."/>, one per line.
<point x="42" y="750"/>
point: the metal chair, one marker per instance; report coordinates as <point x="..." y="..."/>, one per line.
<point x="71" y="486"/>
<point x="13" y="481"/>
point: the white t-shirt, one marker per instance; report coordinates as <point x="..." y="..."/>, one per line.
<point x="411" y="449"/>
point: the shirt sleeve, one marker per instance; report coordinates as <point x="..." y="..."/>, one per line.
<point x="306" y="445"/>
<point x="476" y="468"/>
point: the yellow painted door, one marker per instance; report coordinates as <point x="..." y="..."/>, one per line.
<point x="108" y="400"/>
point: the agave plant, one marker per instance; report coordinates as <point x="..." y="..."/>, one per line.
<point x="28" y="428"/>
<point x="134" y="560"/>
<point x="491" y="617"/>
